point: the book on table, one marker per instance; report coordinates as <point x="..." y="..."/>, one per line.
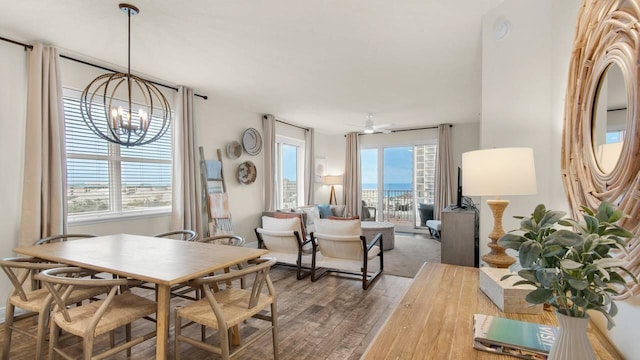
<point x="512" y="337"/>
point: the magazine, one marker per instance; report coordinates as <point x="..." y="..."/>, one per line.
<point x="512" y="337"/>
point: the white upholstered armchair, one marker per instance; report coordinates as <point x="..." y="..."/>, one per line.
<point x="285" y="240"/>
<point x="340" y="247"/>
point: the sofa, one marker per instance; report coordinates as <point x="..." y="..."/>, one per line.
<point x="310" y="213"/>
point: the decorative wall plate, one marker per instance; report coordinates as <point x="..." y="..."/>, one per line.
<point x="247" y="172"/>
<point x="234" y="150"/>
<point x="252" y="141"/>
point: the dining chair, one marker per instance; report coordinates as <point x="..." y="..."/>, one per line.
<point x="230" y="307"/>
<point x="54" y="239"/>
<point x="36" y="302"/>
<point x="282" y="237"/>
<point x="227" y="239"/>
<point x="92" y="320"/>
<point x="340" y="247"/>
<point x="186" y="235"/>
<point x="61" y="237"/>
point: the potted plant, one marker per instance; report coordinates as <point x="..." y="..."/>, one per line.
<point x="570" y="265"/>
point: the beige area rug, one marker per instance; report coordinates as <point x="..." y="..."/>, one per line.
<point x="408" y="255"/>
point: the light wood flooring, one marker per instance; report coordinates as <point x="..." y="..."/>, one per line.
<point x="332" y="318"/>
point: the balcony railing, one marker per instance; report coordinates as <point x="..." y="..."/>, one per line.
<point x="398" y="206"/>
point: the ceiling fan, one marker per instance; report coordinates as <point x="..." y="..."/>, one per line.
<point x="370" y="127"/>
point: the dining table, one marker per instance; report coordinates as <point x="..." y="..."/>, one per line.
<point x="164" y="262"/>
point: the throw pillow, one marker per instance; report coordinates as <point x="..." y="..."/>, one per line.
<point x="325" y="211"/>
<point x="312" y="214"/>
<point x="284" y="215"/>
<point x="338" y="210"/>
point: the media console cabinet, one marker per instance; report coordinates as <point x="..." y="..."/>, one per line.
<point x="434" y="319"/>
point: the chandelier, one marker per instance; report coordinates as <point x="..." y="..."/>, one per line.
<point x="123" y="108"/>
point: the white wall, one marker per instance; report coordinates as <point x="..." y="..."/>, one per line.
<point x="13" y="101"/>
<point x="219" y="124"/>
<point x="524" y="78"/>
<point x="333" y="148"/>
<point x="522" y="90"/>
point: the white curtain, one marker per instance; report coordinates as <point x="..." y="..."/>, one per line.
<point x="310" y="167"/>
<point x="269" y="129"/>
<point x="186" y="196"/>
<point x="444" y="171"/>
<point x="44" y="196"/>
<point x="351" y="193"/>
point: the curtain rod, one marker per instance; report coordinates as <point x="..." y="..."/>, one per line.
<point x="410" y="129"/>
<point x="290" y="124"/>
<point x="30" y="47"/>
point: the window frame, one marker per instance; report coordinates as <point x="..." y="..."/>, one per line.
<point x="114" y="161"/>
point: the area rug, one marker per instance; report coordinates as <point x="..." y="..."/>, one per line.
<point x="408" y="255"/>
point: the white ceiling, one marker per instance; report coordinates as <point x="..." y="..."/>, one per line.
<point x="319" y="63"/>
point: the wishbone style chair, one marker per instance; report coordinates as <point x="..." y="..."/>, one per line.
<point x="100" y="317"/>
<point x="186" y="235"/>
<point x="230" y="307"/>
<point x="61" y="238"/>
<point x="36" y="302"/>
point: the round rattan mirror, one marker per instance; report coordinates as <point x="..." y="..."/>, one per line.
<point x="607" y="35"/>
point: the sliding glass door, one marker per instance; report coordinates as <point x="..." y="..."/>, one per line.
<point x="399" y="182"/>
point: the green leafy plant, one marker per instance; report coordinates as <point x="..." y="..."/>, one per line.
<point x="569" y="262"/>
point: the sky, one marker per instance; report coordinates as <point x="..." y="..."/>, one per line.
<point x="289" y="162"/>
<point x="398" y="165"/>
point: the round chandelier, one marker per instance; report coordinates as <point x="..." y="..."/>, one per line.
<point x="123" y="108"/>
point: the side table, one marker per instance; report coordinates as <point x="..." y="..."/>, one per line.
<point x="371" y="228"/>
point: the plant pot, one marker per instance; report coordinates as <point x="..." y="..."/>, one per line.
<point x="572" y="342"/>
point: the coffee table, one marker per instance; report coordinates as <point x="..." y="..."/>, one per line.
<point x="371" y="228"/>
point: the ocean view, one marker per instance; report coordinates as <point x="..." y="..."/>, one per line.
<point x="388" y="186"/>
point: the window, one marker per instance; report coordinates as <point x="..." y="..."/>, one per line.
<point x="108" y="180"/>
<point x="290" y="164"/>
<point x="397" y="178"/>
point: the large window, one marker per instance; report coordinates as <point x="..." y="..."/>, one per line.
<point x="289" y="177"/>
<point x="109" y="180"/>
<point x="397" y="180"/>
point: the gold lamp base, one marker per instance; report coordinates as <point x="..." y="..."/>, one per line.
<point x="497" y="257"/>
<point x="332" y="196"/>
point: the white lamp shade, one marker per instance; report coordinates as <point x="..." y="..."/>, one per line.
<point x="496" y="172"/>
<point x="332" y="180"/>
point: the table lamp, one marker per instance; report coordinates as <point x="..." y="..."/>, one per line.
<point x="332" y="180"/>
<point x="498" y="172"/>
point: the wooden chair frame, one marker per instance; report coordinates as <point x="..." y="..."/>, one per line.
<point x="187" y="235"/>
<point x="61" y="237"/>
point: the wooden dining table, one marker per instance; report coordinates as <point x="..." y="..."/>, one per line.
<point x="164" y="262"/>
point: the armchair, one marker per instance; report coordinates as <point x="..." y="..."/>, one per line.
<point x="340" y="247"/>
<point x="282" y="237"/>
<point x="368" y="213"/>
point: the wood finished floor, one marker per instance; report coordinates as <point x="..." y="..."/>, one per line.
<point x="332" y="318"/>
